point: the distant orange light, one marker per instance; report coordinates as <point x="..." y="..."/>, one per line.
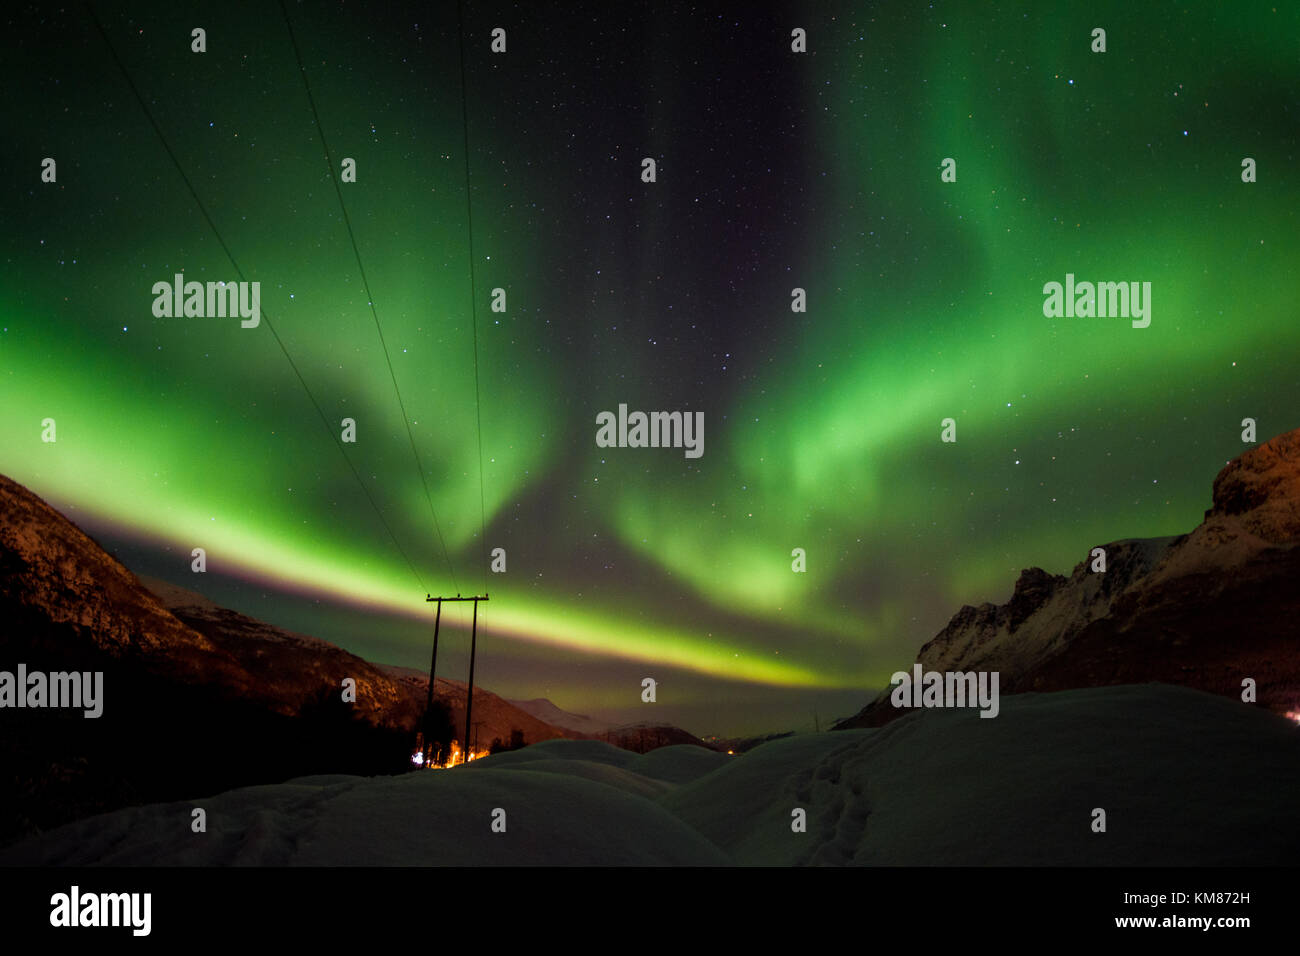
<point x="453" y="758"/>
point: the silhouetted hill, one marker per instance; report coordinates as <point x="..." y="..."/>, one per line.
<point x="645" y="737"/>
<point x="196" y="698"/>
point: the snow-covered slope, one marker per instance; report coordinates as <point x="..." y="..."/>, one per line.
<point x="1185" y="778"/>
<point x="432" y="818"/>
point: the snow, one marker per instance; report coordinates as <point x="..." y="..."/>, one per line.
<point x="429" y="818"/>
<point x="680" y="763"/>
<point x="594" y="751"/>
<point x="649" y="775"/>
<point x="1185" y="778"/>
<point x="590" y="770"/>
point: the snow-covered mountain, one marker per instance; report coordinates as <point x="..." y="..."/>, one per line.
<point x="1207" y="609"/>
<point x="544" y="710"/>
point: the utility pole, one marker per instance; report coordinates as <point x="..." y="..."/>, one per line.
<point x="469" y="699"/>
<point x="428" y="705"/>
<point x="469" y="696"/>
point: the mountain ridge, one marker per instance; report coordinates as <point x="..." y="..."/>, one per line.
<point x="196" y="698"/>
<point x="1205" y="609"/>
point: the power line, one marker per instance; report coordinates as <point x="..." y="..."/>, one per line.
<point x="370" y="299"/>
<point x="473" y="303"/>
<point x="265" y="317"/>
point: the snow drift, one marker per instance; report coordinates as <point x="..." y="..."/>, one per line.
<point x="1185" y="778"/>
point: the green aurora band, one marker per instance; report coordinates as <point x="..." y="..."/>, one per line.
<point x="925" y="302"/>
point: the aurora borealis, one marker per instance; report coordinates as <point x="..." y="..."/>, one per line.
<point x="776" y="171"/>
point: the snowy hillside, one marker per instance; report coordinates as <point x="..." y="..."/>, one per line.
<point x="1185" y="778"/>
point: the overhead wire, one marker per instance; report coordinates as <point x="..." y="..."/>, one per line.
<point x="473" y="304"/>
<point x="370" y="299"/>
<point x="239" y="272"/>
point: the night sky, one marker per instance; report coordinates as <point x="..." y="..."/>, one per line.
<point x="776" y="170"/>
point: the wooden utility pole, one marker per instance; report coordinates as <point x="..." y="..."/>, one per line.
<point x="428" y="705"/>
<point x="433" y="664"/>
<point x="469" y="696"/>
